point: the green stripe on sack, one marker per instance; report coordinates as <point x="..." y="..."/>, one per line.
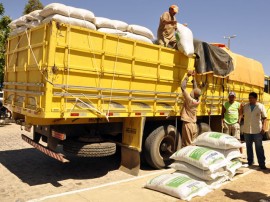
<point x="215" y="160"/>
<point x="216" y="135"/>
<point x="176" y="182"/>
<point x="197" y="153"/>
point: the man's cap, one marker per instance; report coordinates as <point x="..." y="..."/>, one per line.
<point x="175" y="8"/>
<point x="196" y="91"/>
<point x="232" y="94"/>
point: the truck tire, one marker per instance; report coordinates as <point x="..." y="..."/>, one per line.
<point x="267" y="135"/>
<point x="203" y="127"/>
<point x="160" y="145"/>
<point x="82" y="149"/>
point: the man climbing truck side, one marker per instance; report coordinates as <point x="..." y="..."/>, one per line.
<point x="189" y="111"/>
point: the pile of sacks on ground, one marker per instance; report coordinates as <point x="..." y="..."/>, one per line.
<point x="82" y="18"/>
<point x="201" y="168"/>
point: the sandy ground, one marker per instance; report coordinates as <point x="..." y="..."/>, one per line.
<point x="251" y="186"/>
<point x="27" y="174"/>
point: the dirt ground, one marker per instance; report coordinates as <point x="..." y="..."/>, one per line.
<point x="26" y="174"/>
<point x="252" y="187"/>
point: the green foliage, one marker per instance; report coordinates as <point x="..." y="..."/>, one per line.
<point x="32" y="5"/>
<point x="4" y="32"/>
<point x="2" y="10"/>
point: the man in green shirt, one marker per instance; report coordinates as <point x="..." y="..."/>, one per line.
<point x="230" y="116"/>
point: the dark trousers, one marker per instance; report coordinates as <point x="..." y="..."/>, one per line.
<point x="257" y="139"/>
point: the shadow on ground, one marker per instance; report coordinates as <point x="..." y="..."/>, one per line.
<point x="35" y="168"/>
<point x="246" y="196"/>
<point x="5" y="124"/>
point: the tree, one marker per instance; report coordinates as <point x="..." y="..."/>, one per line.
<point x="4" y="32"/>
<point x="2" y="10"/>
<point x="32" y="5"/>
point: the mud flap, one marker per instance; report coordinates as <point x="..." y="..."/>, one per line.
<point x="48" y="152"/>
<point x="130" y="161"/>
<point x="132" y="145"/>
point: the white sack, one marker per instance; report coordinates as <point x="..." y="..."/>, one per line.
<point x="13" y="25"/>
<point x="178" y="185"/>
<point x="217" y="140"/>
<point x="21" y="21"/>
<point x="34" y="16"/>
<point x="18" y="30"/>
<point x="230" y="153"/>
<point x="70" y="21"/>
<point x="32" y="24"/>
<point x="217" y="183"/>
<point x="101" y="22"/>
<point x="212" y="184"/>
<point x="55" y="8"/>
<point x="184" y="38"/>
<point x="201" y="174"/>
<point x="82" y="14"/>
<point x="233" y="166"/>
<point x="111" y="31"/>
<point x="140" y="30"/>
<point x="137" y="37"/>
<point x="201" y="157"/>
<point x="61" y="9"/>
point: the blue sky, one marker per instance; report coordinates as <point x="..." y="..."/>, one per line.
<point x="209" y="20"/>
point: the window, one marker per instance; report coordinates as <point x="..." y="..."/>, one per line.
<point x="266" y="85"/>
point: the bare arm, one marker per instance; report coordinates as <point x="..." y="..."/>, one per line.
<point x="167" y="20"/>
<point x="264" y="117"/>
<point x="263" y="125"/>
<point x="184" y="84"/>
<point x="223" y="112"/>
<point x="194" y="83"/>
<point x="240" y="113"/>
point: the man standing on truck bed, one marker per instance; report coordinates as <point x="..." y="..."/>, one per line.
<point x="189" y="111"/>
<point x="167" y="27"/>
<point x="254" y="127"/>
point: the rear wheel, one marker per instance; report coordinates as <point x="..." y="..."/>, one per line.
<point x="202" y="128"/>
<point x="267" y="135"/>
<point x="160" y="145"/>
<point x="8" y="114"/>
<point x="83" y="149"/>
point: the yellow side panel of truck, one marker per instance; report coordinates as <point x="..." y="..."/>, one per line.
<point x="66" y="72"/>
<point x="57" y="73"/>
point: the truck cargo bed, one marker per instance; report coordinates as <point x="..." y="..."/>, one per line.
<point x="60" y="71"/>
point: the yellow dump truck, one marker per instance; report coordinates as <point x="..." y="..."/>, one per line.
<point x="90" y="91"/>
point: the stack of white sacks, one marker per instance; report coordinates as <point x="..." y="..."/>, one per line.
<point x="82" y="18"/>
<point x="30" y="20"/>
<point x="201" y="168"/>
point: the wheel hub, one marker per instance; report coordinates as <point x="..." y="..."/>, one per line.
<point x="164" y="147"/>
